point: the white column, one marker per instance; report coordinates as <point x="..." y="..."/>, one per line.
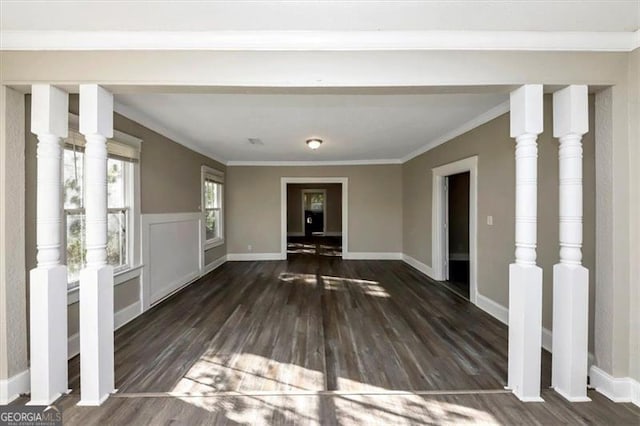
<point x="96" y="280"/>
<point x="570" y="278"/>
<point x="525" y="278"/>
<point x="48" y="281"/>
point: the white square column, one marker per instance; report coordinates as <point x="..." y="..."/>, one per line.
<point x="96" y="280"/>
<point x="570" y="278"/>
<point x="525" y="277"/>
<point x="48" y="281"/>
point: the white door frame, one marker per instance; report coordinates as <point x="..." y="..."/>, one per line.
<point x="324" y="207"/>
<point x="283" y="209"/>
<point x="439" y="205"/>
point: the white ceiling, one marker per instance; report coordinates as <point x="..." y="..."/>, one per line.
<point x="354" y="127"/>
<point x="452" y="15"/>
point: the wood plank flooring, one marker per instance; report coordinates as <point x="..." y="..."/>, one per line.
<point x="319" y="340"/>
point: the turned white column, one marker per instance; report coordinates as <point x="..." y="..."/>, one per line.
<point x="48" y="281"/>
<point x="525" y="278"/>
<point x="96" y="280"/>
<point x="570" y="278"/>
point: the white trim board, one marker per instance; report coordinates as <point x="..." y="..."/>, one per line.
<point x="416" y="264"/>
<point x="248" y="257"/>
<point x="372" y="256"/>
<point x="617" y="389"/>
<point x="314" y="163"/>
<point x="580" y="41"/>
<point x="214" y="265"/>
<point x="14" y="386"/>
<point x="440" y="236"/>
<point x="284" y="181"/>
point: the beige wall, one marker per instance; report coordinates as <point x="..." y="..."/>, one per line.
<point x="333" y="203"/>
<point x="496" y="197"/>
<point x="375" y="206"/>
<point x="169" y="183"/>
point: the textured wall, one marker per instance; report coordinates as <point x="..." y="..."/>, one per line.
<point x="13" y="311"/>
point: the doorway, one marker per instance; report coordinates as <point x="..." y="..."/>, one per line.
<point x="314" y="212"/>
<point x="457" y="226"/>
<point x="455" y="257"/>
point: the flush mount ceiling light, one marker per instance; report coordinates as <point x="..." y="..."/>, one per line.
<point x="314" y="143"/>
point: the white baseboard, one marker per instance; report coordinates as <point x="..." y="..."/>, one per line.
<point x="371" y="256"/>
<point x="126" y="315"/>
<point x="425" y="269"/>
<point x="73" y="345"/>
<point x="253" y="256"/>
<point x="493" y="308"/>
<point x="120" y="318"/>
<point x="12" y="387"/>
<point x="617" y="389"/>
<point x="215" y="264"/>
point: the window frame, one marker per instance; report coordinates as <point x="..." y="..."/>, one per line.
<point x="218" y="177"/>
<point x="131" y="173"/>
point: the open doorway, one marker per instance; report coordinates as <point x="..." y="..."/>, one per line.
<point x="314" y="219"/>
<point x="455" y="251"/>
<point x="457" y="198"/>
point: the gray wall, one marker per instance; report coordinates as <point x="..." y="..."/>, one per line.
<point x="496" y="197"/>
<point x="169" y="183"/>
<point x="375" y="206"/>
<point x="333" y="203"/>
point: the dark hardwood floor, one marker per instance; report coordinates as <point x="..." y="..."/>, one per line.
<point x="316" y="339"/>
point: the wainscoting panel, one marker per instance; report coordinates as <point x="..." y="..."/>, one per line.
<point x="172" y="253"/>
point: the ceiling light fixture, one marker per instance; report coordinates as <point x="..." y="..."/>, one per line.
<point x="314" y="143"/>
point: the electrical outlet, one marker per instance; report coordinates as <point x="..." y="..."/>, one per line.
<point x="489" y="220"/>
<point x="249" y="247"/>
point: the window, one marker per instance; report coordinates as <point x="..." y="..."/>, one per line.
<point x="212" y="206"/>
<point x="121" y="196"/>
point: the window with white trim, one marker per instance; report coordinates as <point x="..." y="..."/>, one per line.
<point x="122" y="188"/>
<point x="212" y="206"/>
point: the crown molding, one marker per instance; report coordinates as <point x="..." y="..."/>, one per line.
<point x="145" y="120"/>
<point x="481" y="119"/>
<point x="321" y="40"/>
<point x="152" y="124"/>
<point x="314" y="163"/>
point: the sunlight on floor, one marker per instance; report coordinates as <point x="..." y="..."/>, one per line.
<point x="370" y="288"/>
<point x="269" y="400"/>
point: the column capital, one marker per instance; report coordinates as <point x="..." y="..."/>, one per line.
<point x="571" y="111"/>
<point x="526" y="110"/>
<point x="96" y="111"/>
<point x="49" y="110"/>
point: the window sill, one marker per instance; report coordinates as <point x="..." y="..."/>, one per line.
<point x="120" y="277"/>
<point x="213" y="243"/>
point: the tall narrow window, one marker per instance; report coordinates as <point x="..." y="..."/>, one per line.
<point x="213" y="206"/>
<point x="121" y="168"/>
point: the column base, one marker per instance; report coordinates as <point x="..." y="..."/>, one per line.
<point x="525" y="331"/>
<point x="569" y="368"/>
<point x="48" y="334"/>
<point x="96" y="335"/>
